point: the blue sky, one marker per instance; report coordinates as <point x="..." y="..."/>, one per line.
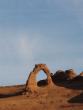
<point x="39" y="31"/>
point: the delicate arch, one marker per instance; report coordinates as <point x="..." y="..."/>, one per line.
<point x="31" y="84"/>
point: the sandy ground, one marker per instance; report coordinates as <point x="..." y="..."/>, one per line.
<point x="54" y="98"/>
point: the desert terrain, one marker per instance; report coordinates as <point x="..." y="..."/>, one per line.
<point x="63" y="94"/>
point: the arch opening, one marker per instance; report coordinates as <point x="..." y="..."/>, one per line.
<point x="41" y="79"/>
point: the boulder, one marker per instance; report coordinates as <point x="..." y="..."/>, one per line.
<point x="70" y="74"/>
<point x="81" y="74"/>
<point x="59" y="75"/>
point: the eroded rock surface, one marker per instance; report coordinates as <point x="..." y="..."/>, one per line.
<point x="81" y="74"/>
<point x="70" y="74"/>
<point x="31" y="84"/>
<point x="60" y="75"/>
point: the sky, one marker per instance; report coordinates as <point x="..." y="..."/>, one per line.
<point x="39" y="31"/>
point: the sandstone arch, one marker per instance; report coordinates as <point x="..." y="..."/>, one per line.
<point x="31" y="84"/>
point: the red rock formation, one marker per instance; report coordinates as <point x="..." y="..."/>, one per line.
<point x="81" y="74"/>
<point x="31" y="84"/>
<point x="70" y="74"/>
<point x="59" y="75"/>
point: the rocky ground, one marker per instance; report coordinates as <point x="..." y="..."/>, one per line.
<point x="57" y="97"/>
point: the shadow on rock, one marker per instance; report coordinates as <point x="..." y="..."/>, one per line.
<point x="76" y="99"/>
<point x="75" y="83"/>
<point x="42" y="83"/>
<point x="11" y="94"/>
